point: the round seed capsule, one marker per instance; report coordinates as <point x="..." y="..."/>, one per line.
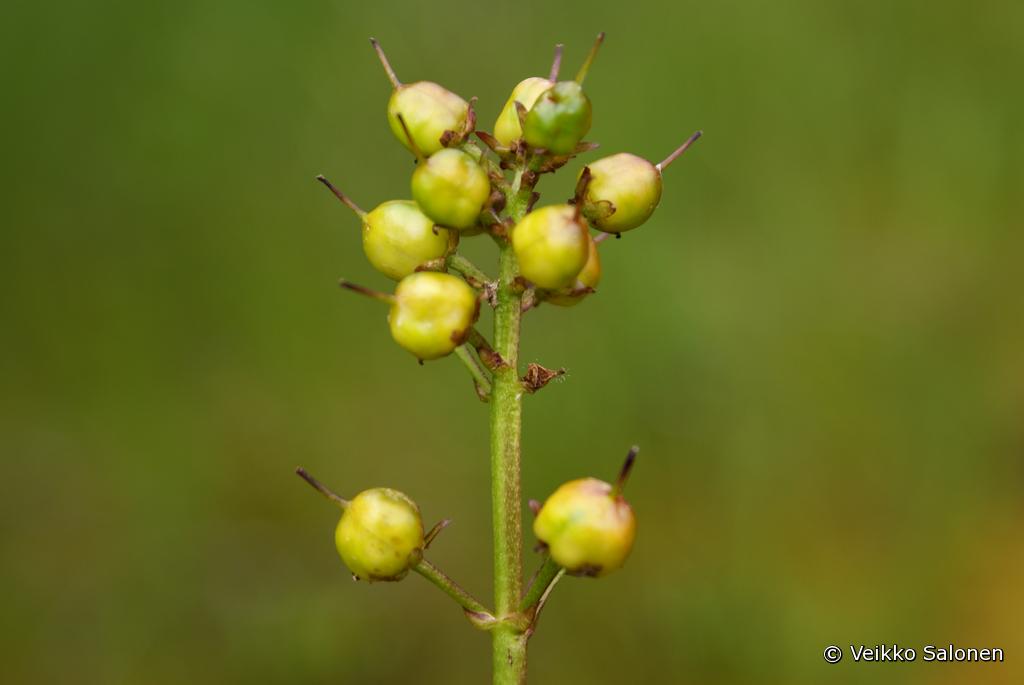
<point x="551" y="246"/>
<point x="429" y="110"/>
<point x="589" y="277"/>
<point x="431" y="313"/>
<point x="587" y="527"/>
<point x="398" y="237"/>
<point x="624" y="191"/>
<point x="380" y="535"/>
<point x="451" y="188"/>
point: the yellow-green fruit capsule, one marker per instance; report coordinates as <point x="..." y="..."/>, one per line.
<point x="451" y="188"/>
<point x="589" y="277"/>
<point x="625" y="183"/>
<point x="431" y="313"/>
<point x="559" y="118"/>
<point x="507" y="128"/>
<point x="588" y="529"/>
<point x="429" y="110"/>
<point x="380" y="535"/>
<point x="398" y="237"/>
<point x="551" y="245"/>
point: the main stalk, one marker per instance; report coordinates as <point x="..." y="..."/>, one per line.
<point x="506" y="430"/>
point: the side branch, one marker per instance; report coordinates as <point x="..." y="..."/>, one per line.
<point x="480" y="378"/>
<point x="545" y="577"/>
<point x="469" y="271"/>
<point x="491" y="359"/>
<point x="476" y="611"/>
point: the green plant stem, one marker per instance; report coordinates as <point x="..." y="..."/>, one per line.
<point x="468" y="269"/>
<point x="546" y="575"/>
<point x="450" y="587"/>
<point x="509" y="638"/>
<point x="483" y="383"/>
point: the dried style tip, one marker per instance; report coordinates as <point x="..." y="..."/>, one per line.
<point x="582" y="73"/>
<point x="367" y="292"/>
<point x="556" y="64"/>
<point x="663" y="164"/>
<point x="627" y="467"/>
<point x="321" y="488"/>
<point x="386" y="64"/>
<point x="581" y="189"/>
<point x="435" y="531"/>
<point x="408" y="136"/>
<point x="341" y="196"/>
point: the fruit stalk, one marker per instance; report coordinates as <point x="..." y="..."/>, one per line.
<point x="436" y="576"/>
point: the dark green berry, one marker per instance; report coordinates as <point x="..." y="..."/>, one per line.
<point x="559" y="118"/>
<point x="507" y="128"/>
<point x="560" y="115"/>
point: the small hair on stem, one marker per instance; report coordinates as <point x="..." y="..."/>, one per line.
<point x="386" y="64"/>
<point x="660" y="166"/>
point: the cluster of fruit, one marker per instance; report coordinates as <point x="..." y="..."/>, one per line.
<point x="460" y="190"/>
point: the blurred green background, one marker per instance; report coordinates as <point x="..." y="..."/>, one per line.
<point x="818" y="341"/>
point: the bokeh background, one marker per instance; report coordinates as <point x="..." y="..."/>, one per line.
<point x="818" y="341"/>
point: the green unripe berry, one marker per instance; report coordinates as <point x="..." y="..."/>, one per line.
<point x="625" y="183"/>
<point x="398" y="237"/>
<point x="589" y="277"/>
<point x="624" y="190"/>
<point x="559" y="118"/>
<point x="429" y="110"/>
<point x="431" y="313"/>
<point x="451" y="188"/>
<point x="507" y="128"/>
<point x="588" y="527"/>
<point x="551" y="246"/>
<point x="380" y="535"/>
